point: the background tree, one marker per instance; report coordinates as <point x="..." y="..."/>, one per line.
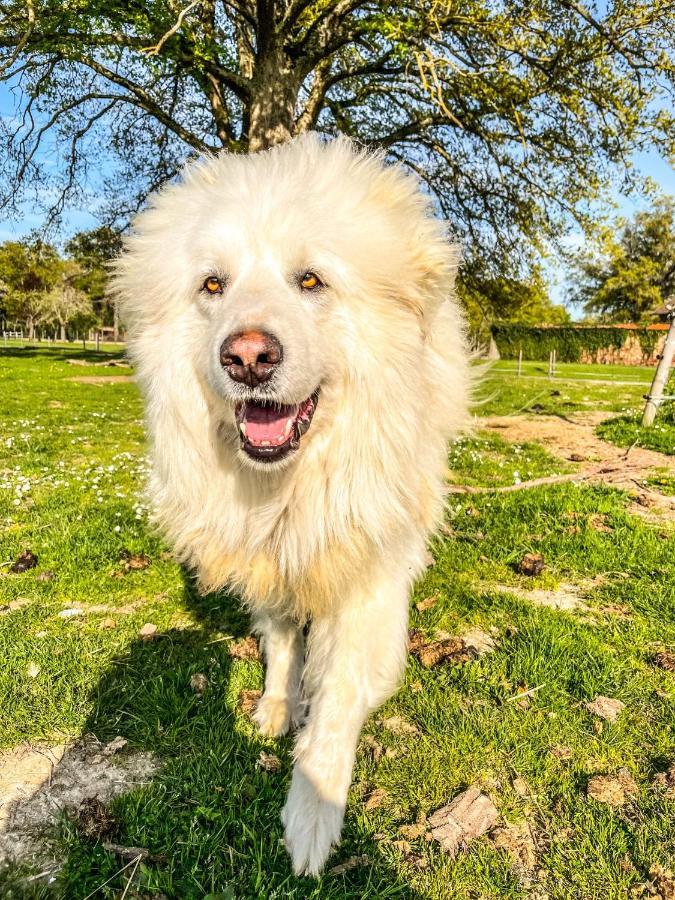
<point x="631" y="269"/>
<point x="28" y="270"/>
<point x="92" y="251"/>
<point x="487" y="298"/>
<point x="514" y="114"/>
<point x="65" y="303"/>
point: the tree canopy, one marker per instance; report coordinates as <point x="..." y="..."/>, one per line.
<point x="630" y="270"/>
<point x="39" y="286"/>
<point x="513" y="113"/>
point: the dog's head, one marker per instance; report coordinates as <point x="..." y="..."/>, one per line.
<point x="281" y="276"/>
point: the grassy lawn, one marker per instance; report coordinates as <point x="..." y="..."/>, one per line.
<point x="513" y="722"/>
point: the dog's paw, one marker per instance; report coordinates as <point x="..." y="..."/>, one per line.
<point x="275" y="715"/>
<point x="311" y="825"/>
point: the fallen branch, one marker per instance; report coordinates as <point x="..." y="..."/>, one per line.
<point x="603" y="470"/>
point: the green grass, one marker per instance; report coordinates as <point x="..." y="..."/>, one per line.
<point x="71" y="474"/>
<point x="574" y="388"/>
<point x="627" y="430"/>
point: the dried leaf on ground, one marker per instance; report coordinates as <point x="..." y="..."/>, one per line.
<point x="248" y="700"/>
<point x="93" y="819"/>
<point x="429" y="560"/>
<point x="521" y="787"/>
<point x="664" y="660"/>
<point x="412" y="832"/>
<point x="107" y="623"/>
<point x="32" y="670"/>
<point x="560" y="751"/>
<point x="354" y="862"/>
<point x="612" y="789"/>
<point x="431" y="653"/>
<point x="245" y="648"/>
<point x="268" y="762"/>
<point x="133" y="853"/>
<point x="531" y="564"/>
<point x="427" y="603"/>
<point x="401" y="846"/>
<point x="47" y="575"/>
<point x="605" y="708"/>
<point x="24" y="562"/>
<point x="136" y="562"/>
<point x="663" y="882"/>
<point x="517" y="840"/>
<point x="148" y="631"/>
<point x="199" y="683"/>
<point x="665" y="782"/>
<point x="114" y="746"/>
<point x="468" y="816"/>
<point x="376" y="749"/>
<point x="376" y="798"/>
<point x="398" y="725"/>
<point x="599" y="522"/>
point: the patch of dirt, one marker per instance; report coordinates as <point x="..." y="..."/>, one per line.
<point x="614" y="790"/>
<point x="38" y="783"/>
<point x="102" y="379"/>
<point x="566" y="597"/>
<point x="575" y="440"/>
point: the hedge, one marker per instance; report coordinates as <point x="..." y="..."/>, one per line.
<point x="569" y="341"/>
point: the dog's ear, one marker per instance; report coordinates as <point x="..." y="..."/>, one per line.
<point x="432" y="265"/>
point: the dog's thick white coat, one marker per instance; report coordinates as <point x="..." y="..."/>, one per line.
<point x="335" y="534"/>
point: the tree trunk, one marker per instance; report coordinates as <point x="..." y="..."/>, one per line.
<point x="273" y="101"/>
<point x="63" y="330"/>
<point x="116" y="322"/>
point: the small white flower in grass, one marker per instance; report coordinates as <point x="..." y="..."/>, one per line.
<point x="516" y="477"/>
<point x="117" y="528"/>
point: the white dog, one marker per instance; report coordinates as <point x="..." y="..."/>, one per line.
<point x="304" y="364"/>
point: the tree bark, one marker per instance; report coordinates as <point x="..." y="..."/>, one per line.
<point x="273" y="101"/>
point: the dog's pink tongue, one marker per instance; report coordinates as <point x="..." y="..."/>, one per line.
<point x="268" y="424"/>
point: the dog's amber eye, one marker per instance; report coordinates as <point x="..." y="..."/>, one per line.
<point x="309" y="281"/>
<point x="213" y="285"/>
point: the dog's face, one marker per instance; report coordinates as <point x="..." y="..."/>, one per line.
<point x="285" y="274"/>
<point x="265" y="290"/>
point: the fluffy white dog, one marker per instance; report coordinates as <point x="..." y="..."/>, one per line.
<point x="304" y="364"/>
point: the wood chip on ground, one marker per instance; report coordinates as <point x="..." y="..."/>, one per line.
<point x="468" y="816"/>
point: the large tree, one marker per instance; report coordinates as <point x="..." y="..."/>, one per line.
<point x="630" y="269"/>
<point x="28" y="271"/>
<point x="514" y="113"/>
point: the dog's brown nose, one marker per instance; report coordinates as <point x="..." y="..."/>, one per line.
<point x="250" y="356"/>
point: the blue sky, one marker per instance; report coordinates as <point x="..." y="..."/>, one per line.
<point x="647" y="163"/>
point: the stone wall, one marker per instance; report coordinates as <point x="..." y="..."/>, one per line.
<point x="631" y="354"/>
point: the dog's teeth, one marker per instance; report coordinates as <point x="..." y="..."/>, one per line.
<point x="242" y="428"/>
<point x="266" y="444"/>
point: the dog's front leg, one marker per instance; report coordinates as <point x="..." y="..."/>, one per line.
<point x="282" y="646"/>
<point x="355" y="660"/>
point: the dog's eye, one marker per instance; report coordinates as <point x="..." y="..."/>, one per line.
<point x="310" y="281"/>
<point x="213" y="285"/>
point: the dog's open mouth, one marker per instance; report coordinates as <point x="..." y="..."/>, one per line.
<point x="270" y="431"/>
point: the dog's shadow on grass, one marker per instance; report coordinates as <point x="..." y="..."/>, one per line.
<point x="210" y="815"/>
